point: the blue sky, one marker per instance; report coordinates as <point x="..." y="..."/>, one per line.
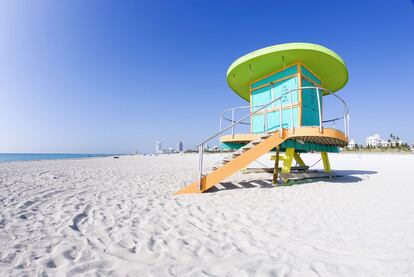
<point x="116" y="76"/>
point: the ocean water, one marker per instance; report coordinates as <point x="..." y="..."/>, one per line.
<point x="11" y="157"/>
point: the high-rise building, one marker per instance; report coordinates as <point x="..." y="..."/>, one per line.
<point x="158" y="147"/>
<point x="180" y="147"/>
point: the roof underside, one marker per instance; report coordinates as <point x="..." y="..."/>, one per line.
<point x="325" y="63"/>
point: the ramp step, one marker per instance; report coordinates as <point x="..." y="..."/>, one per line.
<point x="229" y="166"/>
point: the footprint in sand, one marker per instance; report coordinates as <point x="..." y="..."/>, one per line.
<point x="179" y="270"/>
<point x="4" y="263"/>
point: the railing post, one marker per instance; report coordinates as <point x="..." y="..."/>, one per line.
<point x="347" y="124"/>
<point x="319" y="110"/>
<point x="280" y="118"/>
<point x="200" y="164"/>
<point x="221" y="122"/>
<point x="232" y="122"/>
<point x="291" y="112"/>
<point x="265" y="122"/>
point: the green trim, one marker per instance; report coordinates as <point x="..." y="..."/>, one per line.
<point x="231" y="145"/>
<point x="308" y="147"/>
<point x="325" y="63"/>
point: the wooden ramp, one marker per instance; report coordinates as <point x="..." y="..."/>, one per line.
<point x="240" y="159"/>
<point x="263" y="144"/>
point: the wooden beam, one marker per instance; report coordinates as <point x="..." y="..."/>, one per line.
<point x="276" y="167"/>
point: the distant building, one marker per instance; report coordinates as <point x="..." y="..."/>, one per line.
<point x="351" y="144"/>
<point x="180" y="147"/>
<point x="373" y="141"/>
<point x="158" y="147"/>
<point x="376" y="141"/>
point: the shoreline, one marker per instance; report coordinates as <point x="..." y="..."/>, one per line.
<point x="56" y="158"/>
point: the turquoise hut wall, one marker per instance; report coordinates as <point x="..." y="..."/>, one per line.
<point x="271" y="91"/>
<point x="310" y="114"/>
<point x="265" y="95"/>
<point x="276" y="76"/>
<point x="263" y="91"/>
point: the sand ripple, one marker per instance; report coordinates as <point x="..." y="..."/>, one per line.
<point x="106" y="217"/>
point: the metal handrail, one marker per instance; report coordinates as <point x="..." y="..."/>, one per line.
<point x="262" y="107"/>
<point x="223" y="117"/>
<point x="238" y="121"/>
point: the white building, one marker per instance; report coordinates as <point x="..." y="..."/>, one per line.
<point x="158" y="147"/>
<point x="376" y="141"/>
<point x="373" y="141"/>
<point x="351" y="144"/>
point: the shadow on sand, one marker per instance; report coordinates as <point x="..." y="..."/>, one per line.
<point x="342" y="177"/>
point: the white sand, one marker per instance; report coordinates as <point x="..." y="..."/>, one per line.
<point x="109" y="217"/>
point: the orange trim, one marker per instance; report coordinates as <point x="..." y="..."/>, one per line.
<point x="313" y="74"/>
<point x="251" y="104"/>
<point x="300" y="99"/>
<point x="274" y="72"/>
<point x="275" y="109"/>
<point x="311" y="81"/>
<point x="276" y="81"/>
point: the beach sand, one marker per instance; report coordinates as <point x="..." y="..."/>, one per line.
<point x="118" y="217"/>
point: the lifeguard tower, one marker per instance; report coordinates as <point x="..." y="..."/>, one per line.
<point x="285" y="86"/>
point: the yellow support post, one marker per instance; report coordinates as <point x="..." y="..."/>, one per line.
<point x="325" y="160"/>
<point x="298" y="159"/>
<point x="287" y="162"/>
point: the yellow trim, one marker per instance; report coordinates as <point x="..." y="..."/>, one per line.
<point x="281" y="157"/>
<point x="326" y="164"/>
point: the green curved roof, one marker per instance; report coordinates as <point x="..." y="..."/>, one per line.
<point x="325" y="63"/>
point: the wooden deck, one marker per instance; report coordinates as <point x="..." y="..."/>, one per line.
<point x="328" y="136"/>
